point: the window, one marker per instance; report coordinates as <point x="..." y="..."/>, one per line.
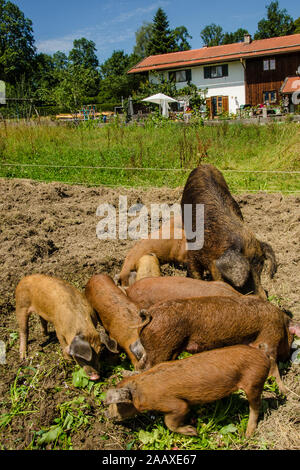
<point x="217" y="105"/>
<point x="180" y="76"/>
<point x="269" y="96"/>
<point x="269" y="64"/>
<point x="216" y="71"/>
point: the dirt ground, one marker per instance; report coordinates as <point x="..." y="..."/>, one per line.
<point x="51" y="229"/>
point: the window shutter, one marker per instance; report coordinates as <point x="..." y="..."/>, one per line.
<point x="225" y="70"/>
<point x="207" y="71"/>
<point x="225" y="107"/>
<point x="209" y="107"/>
<point x="188" y="75"/>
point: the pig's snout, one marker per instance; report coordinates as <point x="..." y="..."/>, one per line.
<point x="92" y="373"/>
<point x="294" y="328"/>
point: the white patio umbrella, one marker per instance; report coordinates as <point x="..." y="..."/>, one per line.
<point x="162" y="100"/>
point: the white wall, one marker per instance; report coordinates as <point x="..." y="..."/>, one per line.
<point x="232" y="86"/>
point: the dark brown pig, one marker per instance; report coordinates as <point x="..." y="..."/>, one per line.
<point x="119" y="316"/>
<point x="148" y="292"/>
<point x="204" y="323"/>
<point x="172" y="387"/>
<point x="74" y="320"/>
<point x="169" y="250"/>
<point x="231" y="252"/>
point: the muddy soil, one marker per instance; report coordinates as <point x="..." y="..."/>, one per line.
<point x="51" y="229"/>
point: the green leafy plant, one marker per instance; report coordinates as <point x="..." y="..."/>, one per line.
<point x="73" y="415"/>
<point x="26" y="379"/>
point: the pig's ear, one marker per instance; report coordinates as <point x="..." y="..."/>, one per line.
<point x="109" y="342"/>
<point x="122" y="395"/>
<point x="234" y="267"/>
<point x="80" y="348"/>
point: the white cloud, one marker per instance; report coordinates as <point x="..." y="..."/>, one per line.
<point x="138" y="11"/>
<point x="50" y="46"/>
<point x="97" y="34"/>
<point x="104" y="35"/>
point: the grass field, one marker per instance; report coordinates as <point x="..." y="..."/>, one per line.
<point x="251" y="157"/>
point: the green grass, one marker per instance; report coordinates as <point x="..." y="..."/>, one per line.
<point x="220" y="425"/>
<point x="73" y="415"/>
<point x="167" y="146"/>
<point x="19" y="403"/>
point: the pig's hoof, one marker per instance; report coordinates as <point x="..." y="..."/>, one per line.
<point x="250" y="432"/>
<point x="187" y="430"/>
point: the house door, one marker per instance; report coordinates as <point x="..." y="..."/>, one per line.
<point x="217" y="105"/>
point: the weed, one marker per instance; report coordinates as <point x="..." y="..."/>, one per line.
<point x="167" y="145"/>
<point x="72" y="416"/>
<point x="26" y="379"/>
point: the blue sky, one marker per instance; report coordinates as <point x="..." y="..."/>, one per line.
<point x="112" y="24"/>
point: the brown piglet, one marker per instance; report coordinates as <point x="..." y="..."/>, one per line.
<point x="150" y="291"/>
<point x="119" y="316"/>
<point x="167" y="250"/>
<point x="172" y="387"/>
<point x="205" y="323"/>
<point x="74" y="320"/>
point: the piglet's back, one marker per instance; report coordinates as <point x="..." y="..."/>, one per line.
<point x="207" y="376"/>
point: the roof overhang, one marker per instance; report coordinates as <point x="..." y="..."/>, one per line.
<point x="226" y="53"/>
<point x="290" y="85"/>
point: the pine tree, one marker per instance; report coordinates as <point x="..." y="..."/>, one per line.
<point x="162" y="38"/>
<point x="278" y="23"/>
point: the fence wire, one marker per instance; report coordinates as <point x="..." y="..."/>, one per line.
<point x="82" y="167"/>
<point x="115" y="168"/>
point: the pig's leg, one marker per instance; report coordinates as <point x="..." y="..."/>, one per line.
<point x="22" y="314"/>
<point x="215" y="273"/>
<point x="258" y="289"/>
<point x="193" y="269"/>
<point x="271" y="352"/>
<point x="44" y="325"/>
<point x="174" y="418"/>
<point x="64" y="347"/>
<point x="253" y="387"/>
<point x="254" y="405"/>
<point x="274" y="371"/>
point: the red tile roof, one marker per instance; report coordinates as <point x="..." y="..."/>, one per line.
<point x="228" y="52"/>
<point x="290" y="85"/>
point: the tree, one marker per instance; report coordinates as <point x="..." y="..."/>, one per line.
<point x="212" y="35"/>
<point x="17" y="48"/>
<point x="142" y="38"/>
<point x="237" y="36"/>
<point x="74" y="84"/>
<point x="116" y="83"/>
<point x="278" y="23"/>
<point x="116" y="65"/>
<point x="297" y="26"/>
<point x="84" y="54"/>
<point x="60" y="60"/>
<point x="162" y="40"/>
<point x="181" y="36"/>
<point x="42" y="76"/>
